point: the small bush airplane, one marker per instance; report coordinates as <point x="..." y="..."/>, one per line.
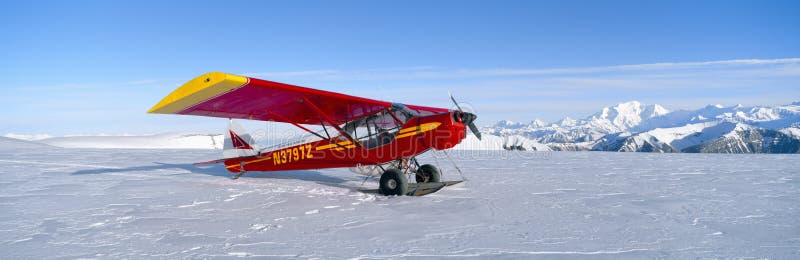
<point x="370" y="136"/>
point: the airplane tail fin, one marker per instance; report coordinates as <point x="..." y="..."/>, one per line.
<point x="238" y="143"/>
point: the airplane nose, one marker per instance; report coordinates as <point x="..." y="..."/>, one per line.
<point x="467" y="118"/>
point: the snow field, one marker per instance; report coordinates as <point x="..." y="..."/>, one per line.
<point x="117" y="203"/>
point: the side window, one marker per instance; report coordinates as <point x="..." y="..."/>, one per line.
<point x="375" y="131"/>
<point x="378" y="131"/>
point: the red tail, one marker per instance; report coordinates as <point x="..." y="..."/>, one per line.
<point x="238" y="142"/>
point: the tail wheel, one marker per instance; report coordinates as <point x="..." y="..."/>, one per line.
<point x="428" y="173"/>
<point x="393" y="182"/>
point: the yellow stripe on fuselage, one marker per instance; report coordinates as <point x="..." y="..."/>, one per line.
<point x="251" y="161"/>
<point x="406" y="132"/>
<point x="348" y="147"/>
<point x="197" y="90"/>
<point x="329" y="146"/>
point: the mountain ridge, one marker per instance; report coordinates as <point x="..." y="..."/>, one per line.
<point x="635" y="127"/>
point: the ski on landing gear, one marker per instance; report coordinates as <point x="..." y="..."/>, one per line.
<point x="418" y="189"/>
<point x="393" y="181"/>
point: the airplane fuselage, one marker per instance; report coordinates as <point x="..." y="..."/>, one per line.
<point x="417" y="135"/>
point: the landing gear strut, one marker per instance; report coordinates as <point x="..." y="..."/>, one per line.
<point x="394" y="180"/>
<point x="241" y="171"/>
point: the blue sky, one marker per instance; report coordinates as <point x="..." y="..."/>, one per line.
<point x="88" y="67"/>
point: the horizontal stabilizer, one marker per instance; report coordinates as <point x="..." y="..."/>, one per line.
<point x="211" y="162"/>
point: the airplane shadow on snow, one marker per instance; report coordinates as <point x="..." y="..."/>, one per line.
<point x="219" y="170"/>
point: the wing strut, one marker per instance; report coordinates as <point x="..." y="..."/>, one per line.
<point x="325" y="129"/>
<point x="330" y="122"/>
<point x="280" y="117"/>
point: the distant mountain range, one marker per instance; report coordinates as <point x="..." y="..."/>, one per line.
<point x="636" y="127"/>
<point x="626" y="127"/>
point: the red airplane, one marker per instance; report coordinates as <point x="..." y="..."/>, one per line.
<point x="361" y="133"/>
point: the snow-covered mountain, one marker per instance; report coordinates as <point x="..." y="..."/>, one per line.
<point x="620" y="118"/>
<point x="635" y="127"/>
<point x="625" y="116"/>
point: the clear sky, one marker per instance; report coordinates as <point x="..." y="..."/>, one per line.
<point x="82" y="67"/>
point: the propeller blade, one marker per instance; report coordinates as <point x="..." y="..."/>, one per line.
<point x="474" y="130"/>
<point x="454" y="101"/>
<point x="469" y="118"/>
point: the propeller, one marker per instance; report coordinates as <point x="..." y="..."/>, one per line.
<point x="468" y="118"/>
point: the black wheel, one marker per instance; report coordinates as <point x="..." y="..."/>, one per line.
<point x="393" y="182"/>
<point x="428" y="173"/>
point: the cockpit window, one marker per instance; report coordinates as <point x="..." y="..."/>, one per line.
<point x="376" y="130"/>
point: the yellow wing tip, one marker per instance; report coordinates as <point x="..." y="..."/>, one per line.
<point x="199" y="89"/>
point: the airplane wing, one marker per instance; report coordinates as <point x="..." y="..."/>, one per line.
<point x="224" y="95"/>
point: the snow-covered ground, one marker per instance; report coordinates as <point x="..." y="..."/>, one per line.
<point x="174" y="140"/>
<point x="117" y="203"/>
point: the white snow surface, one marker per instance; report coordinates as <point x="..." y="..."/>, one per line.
<point x="12" y="144"/>
<point x="493" y="142"/>
<point x="137" y="203"/>
<point x="175" y="140"/>
<point x="28" y="137"/>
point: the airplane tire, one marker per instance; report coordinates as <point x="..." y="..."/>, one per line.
<point x="393" y="182"/>
<point x="429" y="172"/>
